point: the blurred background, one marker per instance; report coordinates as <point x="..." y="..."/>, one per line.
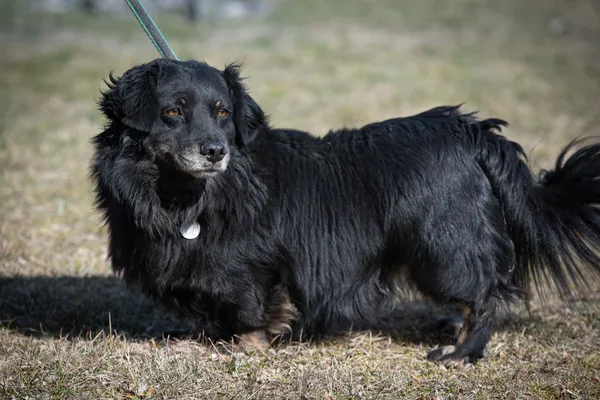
<point x="311" y="64"/>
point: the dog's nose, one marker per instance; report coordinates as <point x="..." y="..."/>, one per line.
<point x="214" y="151"/>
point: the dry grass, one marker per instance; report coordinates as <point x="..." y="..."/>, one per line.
<point x="71" y="330"/>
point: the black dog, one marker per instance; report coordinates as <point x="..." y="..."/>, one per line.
<point x="255" y="231"/>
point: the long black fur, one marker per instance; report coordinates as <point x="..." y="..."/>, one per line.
<point x="334" y="225"/>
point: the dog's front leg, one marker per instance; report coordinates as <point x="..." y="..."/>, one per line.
<point x="251" y="322"/>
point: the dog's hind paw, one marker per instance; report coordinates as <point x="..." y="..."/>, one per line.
<point x="447" y="355"/>
<point x="455" y="356"/>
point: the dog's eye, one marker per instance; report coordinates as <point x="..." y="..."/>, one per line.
<point x="173" y="112"/>
<point x="223" y="113"/>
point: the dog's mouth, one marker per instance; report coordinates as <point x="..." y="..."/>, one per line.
<point x="195" y="164"/>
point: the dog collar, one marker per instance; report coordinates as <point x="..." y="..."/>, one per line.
<point x="190" y="231"/>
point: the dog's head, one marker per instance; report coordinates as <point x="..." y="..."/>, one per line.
<point x="189" y="114"/>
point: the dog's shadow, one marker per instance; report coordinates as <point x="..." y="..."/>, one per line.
<point x="67" y="307"/>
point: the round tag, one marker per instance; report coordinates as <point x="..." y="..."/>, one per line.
<point x="190" y="231"/>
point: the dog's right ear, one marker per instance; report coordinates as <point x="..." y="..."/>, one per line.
<point x="132" y="98"/>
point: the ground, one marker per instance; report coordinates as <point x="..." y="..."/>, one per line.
<point x="69" y="329"/>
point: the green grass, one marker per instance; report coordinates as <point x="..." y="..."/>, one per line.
<point x="69" y="329"/>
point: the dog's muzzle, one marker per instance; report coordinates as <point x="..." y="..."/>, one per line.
<point x="203" y="161"/>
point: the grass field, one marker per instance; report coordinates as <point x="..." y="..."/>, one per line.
<point x="69" y="329"/>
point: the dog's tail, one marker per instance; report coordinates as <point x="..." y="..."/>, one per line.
<point x="553" y="219"/>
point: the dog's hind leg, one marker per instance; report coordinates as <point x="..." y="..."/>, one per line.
<point x="462" y="333"/>
<point x="475" y="279"/>
<point x="472" y="339"/>
<point x="453" y="324"/>
<point x="465" y="256"/>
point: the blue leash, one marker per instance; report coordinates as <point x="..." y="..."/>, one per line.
<point x="155" y="35"/>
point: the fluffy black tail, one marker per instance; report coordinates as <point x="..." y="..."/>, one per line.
<point x="553" y="219"/>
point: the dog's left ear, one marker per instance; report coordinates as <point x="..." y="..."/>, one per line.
<point x="248" y="117"/>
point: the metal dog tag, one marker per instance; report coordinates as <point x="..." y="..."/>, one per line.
<point x="190" y="231"/>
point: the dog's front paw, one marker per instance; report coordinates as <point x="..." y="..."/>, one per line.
<point x="253" y="341"/>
